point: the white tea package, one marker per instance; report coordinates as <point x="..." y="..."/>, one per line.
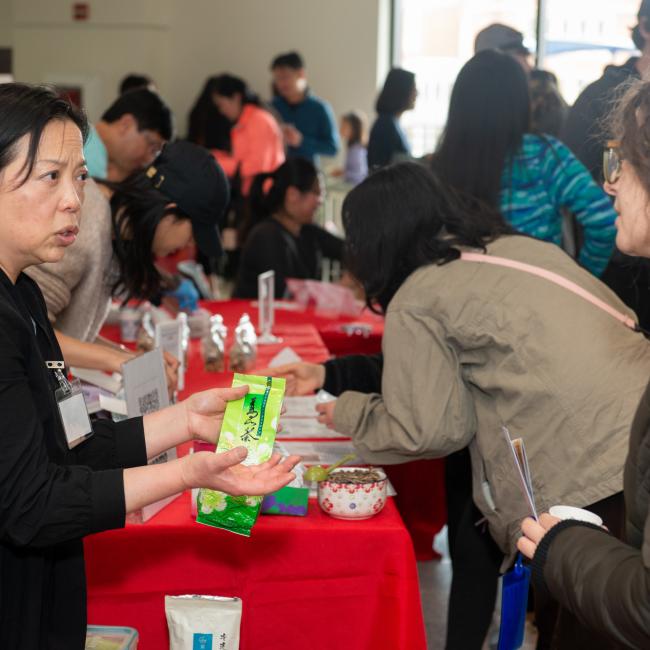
<point x="203" y="622"/>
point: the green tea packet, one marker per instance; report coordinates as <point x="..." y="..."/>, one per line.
<point x="250" y="422"/>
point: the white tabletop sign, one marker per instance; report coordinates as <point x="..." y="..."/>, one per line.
<point x="266" y="307"/>
<point x="145" y="384"/>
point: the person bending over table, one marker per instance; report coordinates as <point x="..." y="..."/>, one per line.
<point x="123" y="228"/>
<point x="53" y="493"/>
<point x="471" y="347"/>
<point x="603" y="581"/>
<point x="281" y="235"/>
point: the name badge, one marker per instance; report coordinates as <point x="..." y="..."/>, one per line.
<point x="72" y="407"/>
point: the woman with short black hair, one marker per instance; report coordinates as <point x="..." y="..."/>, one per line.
<point x="388" y="141"/>
<point x="57" y="486"/>
<point x="125" y="227"/>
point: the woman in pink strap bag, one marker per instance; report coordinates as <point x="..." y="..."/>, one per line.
<point x="528" y="340"/>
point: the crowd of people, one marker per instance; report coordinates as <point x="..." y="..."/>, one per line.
<point x="488" y="321"/>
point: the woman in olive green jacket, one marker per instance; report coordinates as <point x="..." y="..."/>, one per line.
<point x="471" y="347"/>
<point x="603" y="581"/>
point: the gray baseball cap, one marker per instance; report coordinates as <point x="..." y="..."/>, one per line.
<point x="500" y="37"/>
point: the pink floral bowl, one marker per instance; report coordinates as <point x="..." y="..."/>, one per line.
<point x="353" y="500"/>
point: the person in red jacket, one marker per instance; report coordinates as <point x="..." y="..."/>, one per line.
<point x="257" y="144"/>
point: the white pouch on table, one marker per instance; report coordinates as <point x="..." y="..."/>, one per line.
<point x="203" y="622"/>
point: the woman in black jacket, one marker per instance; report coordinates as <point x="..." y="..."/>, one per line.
<point x="388" y="142"/>
<point x="603" y="581"/>
<point x="54" y="492"/>
<point x="280" y="235"/>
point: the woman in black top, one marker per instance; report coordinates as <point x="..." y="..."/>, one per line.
<point x="388" y="142"/>
<point x="52" y="495"/>
<point x="281" y="236"/>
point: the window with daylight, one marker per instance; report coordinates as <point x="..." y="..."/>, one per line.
<point x="434" y="38"/>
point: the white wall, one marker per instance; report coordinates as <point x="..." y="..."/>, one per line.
<point x="6" y="23"/>
<point x="121" y="36"/>
<point x="181" y="42"/>
<point x="339" y="40"/>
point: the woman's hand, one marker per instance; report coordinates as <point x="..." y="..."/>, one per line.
<point x="533" y="532"/>
<point x="326" y="413"/>
<point x="115" y="357"/>
<point x="198" y="417"/>
<point x="204" y="412"/>
<point x="224" y="472"/>
<point x="302" y="378"/>
<point x="172" y="364"/>
<point x="292" y="136"/>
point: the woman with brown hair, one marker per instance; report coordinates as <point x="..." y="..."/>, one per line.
<point x="605" y="582"/>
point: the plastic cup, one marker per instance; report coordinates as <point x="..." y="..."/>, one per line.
<point x="199" y="323"/>
<point x="129" y="324"/>
<point x="579" y="514"/>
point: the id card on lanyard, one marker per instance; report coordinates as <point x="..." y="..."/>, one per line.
<point x="72" y="406"/>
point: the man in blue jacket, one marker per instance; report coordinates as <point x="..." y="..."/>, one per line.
<point x="309" y="126"/>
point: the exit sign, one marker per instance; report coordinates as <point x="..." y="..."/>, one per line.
<point x="80" y="11"/>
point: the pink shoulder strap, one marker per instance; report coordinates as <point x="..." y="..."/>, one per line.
<point x="556" y="279"/>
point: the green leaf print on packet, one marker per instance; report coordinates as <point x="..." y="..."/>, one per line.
<point x="251" y="422"/>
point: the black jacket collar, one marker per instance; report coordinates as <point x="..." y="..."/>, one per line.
<point x="28" y="292"/>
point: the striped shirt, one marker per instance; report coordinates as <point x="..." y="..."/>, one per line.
<point x="545" y="178"/>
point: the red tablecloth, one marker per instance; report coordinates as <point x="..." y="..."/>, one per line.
<point x="302" y="337"/>
<point x="329" y="326"/>
<point x="420" y="484"/>
<point x="305" y="582"/>
<point x="338" y="342"/>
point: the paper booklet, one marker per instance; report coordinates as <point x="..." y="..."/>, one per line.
<point x="521" y="462"/>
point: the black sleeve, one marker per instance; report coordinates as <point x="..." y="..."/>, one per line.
<point x="384" y="142"/>
<point x="360" y="372"/>
<point x="114" y="445"/>
<point x="330" y="245"/>
<point x="394" y="143"/>
<point x="264" y="250"/>
<point x="42" y="503"/>
<point x="603" y="581"/>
